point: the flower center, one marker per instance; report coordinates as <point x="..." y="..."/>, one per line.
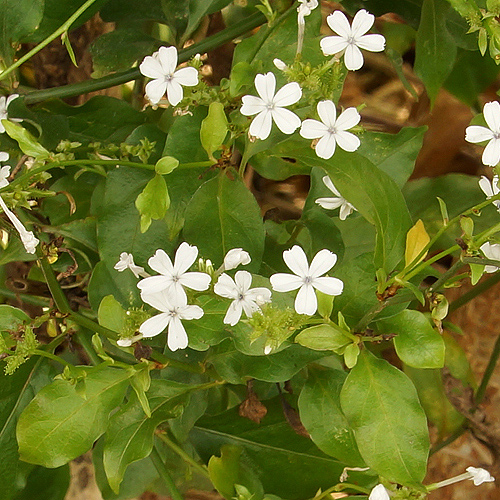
<point x="169" y="77"/>
<point x="307" y="280"/>
<point x="175" y="278"/>
<point x="241" y="296"/>
<point x="270" y="106"/>
<point x="351" y="40"/>
<point x="332" y="130"/>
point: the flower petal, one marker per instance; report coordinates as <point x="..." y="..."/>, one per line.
<point x="306" y="301"/>
<point x="186" y="76"/>
<point x="243" y="280"/>
<point x="177" y="337"/>
<point x="261" y="125"/>
<point x="326" y="146"/>
<point x="282" y="282"/>
<point x="330" y="203"/>
<point x="491" y="113"/>
<point x="184" y="257"/>
<point x="353" y="58"/>
<point x="190" y="312"/>
<point x="329" y="184"/>
<point x="347" y="141"/>
<point x="372" y="43"/>
<point x="155" y="89"/>
<point x="195" y="280"/>
<point x="161" y="263"/>
<point x="288" y="94"/>
<point x="287" y="121"/>
<point x="486" y="186"/>
<point x="339" y="23"/>
<point x="154" y="284"/>
<point x="491" y="153"/>
<point x="312" y="129"/>
<point x="329" y="286"/>
<point x="361" y="23"/>
<point x="151" y="67"/>
<point x="167" y="56"/>
<point x="345" y="210"/>
<point x="379" y="493"/>
<point x="327" y="112"/>
<point x="155" y="325"/>
<point x="226" y="287"/>
<point x="296" y="260"/>
<point x="322" y="262"/>
<point x="266" y="86"/>
<point x="348" y="119"/>
<point x="252" y="105"/>
<point x="333" y="45"/>
<point x="174" y="93"/>
<point x="260" y="295"/>
<point x="476" y="133"/>
<point x="233" y="314"/>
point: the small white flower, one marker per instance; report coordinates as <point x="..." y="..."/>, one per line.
<point x="480" y="476"/>
<point x="307" y="278"/>
<point x="172" y="312"/>
<point x="279" y="64"/>
<point x="338" y="201"/>
<point x="305" y="8"/>
<point x="332" y="130"/>
<point x="28" y="239"/>
<point x="161" y="67"/>
<point x="351" y="38"/>
<point x="490" y="252"/>
<point x="270" y="106"/>
<point x="173" y="278"/>
<point x="244" y="298"/>
<point x="127" y="262"/>
<point x="490" y="188"/>
<point x="236" y="257"/>
<point x="5" y="170"/>
<point x="4" y="105"/>
<point x="476" y="133"/>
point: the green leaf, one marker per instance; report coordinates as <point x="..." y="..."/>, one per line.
<point x="351" y="355"/>
<point x="60" y="424"/>
<point x="11" y="318"/>
<point x="320" y="412"/>
<point x="382" y="407"/>
<point x="130" y="434"/>
<point x="111" y="314"/>
<point x="222" y="215"/>
<point x="166" y="165"/>
<point x="435" y="50"/>
<point x="153" y="202"/>
<point x="46" y="484"/>
<point x="224" y="470"/>
<point x="323" y="337"/>
<point x="214" y="129"/>
<point x="28" y="144"/>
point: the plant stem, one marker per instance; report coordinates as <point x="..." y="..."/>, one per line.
<point x="449" y="439"/>
<point x="49" y="355"/>
<point x="63" y="28"/>
<point x="488" y="372"/>
<point x="24" y="297"/>
<point x="60" y="299"/>
<point x="105" y="82"/>
<point x="166" y="477"/>
<point x="472" y="294"/>
<point x="87" y="347"/>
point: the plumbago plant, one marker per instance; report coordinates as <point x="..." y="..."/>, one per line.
<point x="170" y="328"/>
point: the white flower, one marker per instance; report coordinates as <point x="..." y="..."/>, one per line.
<point x="490" y="188"/>
<point x="172" y="312"/>
<point x="379" y="493"/>
<point x="490" y="252"/>
<point x="269" y="106"/>
<point x="5" y="170"/>
<point x="244" y="298"/>
<point x="174" y="277"/>
<point x="127" y="262"/>
<point x="307" y="278"/>
<point x="479" y="476"/>
<point x="279" y="64"/>
<point x="476" y="133"/>
<point x="161" y="67"/>
<point x="27" y="237"/>
<point x="4" y="105"/>
<point x="338" y="201"/>
<point x="236" y="257"/>
<point x="332" y="130"/>
<point x="351" y="38"/>
<point x="305" y="8"/>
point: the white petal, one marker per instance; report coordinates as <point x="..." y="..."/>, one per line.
<point x="476" y="133"/>
<point x="236" y="257"/>
<point x="296" y="260"/>
<point x="155" y="325"/>
<point x="353" y="58"/>
<point x="233" y="313"/>
<point x="485" y="185"/>
<point x="288" y="94"/>
<point x="329" y="184"/>
<point x="261" y="125"/>
<point x="11" y="98"/>
<point x="151" y="67"/>
<point x="333" y="45"/>
<point x="491" y="153"/>
<point x="329" y="286"/>
<point x="190" y="312"/>
<point x="168" y="59"/>
<point x="379" y="493"/>
<point x="322" y="262"/>
<point x="330" y="203"/>
<point x="479" y="475"/>
<point x="326" y="146"/>
<point x="243" y="280"/>
<point x="161" y="263"/>
<point x="348" y="119"/>
<point x="177" y="337"/>
<point x="259" y="295"/>
<point x="339" y="23"/>
<point x="313" y="129"/>
<point x="280" y="64"/>
<point x="252" y="105"/>
<point x="186" y="76"/>
<point x="226" y="287"/>
<point x="372" y="43"/>
<point x="282" y="282"/>
<point x="184" y="257"/>
<point x="4" y="157"/>
<point x="155" y="90"/>
<point x="2" y="128"/>
<point x="287" y="121"/>
<point x="249" y="307"/>
<point x="327" y="112"/>
<point x="154" y="284"/>
<point x="345" y="210"/>
<point x="361" y="23"/>
<point x="174" y="93"/>
<point x="491" y="112"/>
<point x="266" y="85"/>
<point x="159" y="300"/>
<point x="491" y="251"/>
<point x="306" y="301"/>
<point x="195" y="281"/>
<point x="347" y="141"/>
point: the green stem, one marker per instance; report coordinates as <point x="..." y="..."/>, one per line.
<point x="88" y="348"/>
<point x="24" y="297"/>
<point x="488" y="372"/>
<point x="163" y="472"/>
<point x="81" y="320"/>
<point x="445" y="276"/>
<point x="64" y="28"/>
<point x="449" y="439"/>
<point x="206" y="45"/>
<point x="472" y="294"/>
<point x="51" y="356"/>
<point x="60" y="299"/>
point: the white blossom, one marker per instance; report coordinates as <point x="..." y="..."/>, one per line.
<point x="491" y="251"/>
<point x="480" y="476"/>
<point x="174" y="277"/>
<point x="379" y="493"/>
<point x="307" y="278"/>
<point x="279" y="64"/>
<point x="4" y="115"/>
<point x="127" y="262"/>
<point x="476" y="133"/>
<point x="270" y="106"/>
<point x="5" y="170"/>
<point x="335" y="202"/>
<point x="161" y="67"/>
<point x="351" y="38"/>
<point x="244" y="298"/>
<point x="490" y="188"/>
<point x="332" y="130"/>
<point x="304" y="9"/>
<point x="172" y="312"/>
<point x="236" y="257"/>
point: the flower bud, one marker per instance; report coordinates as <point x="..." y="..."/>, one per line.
<point x="236" y="257"/>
